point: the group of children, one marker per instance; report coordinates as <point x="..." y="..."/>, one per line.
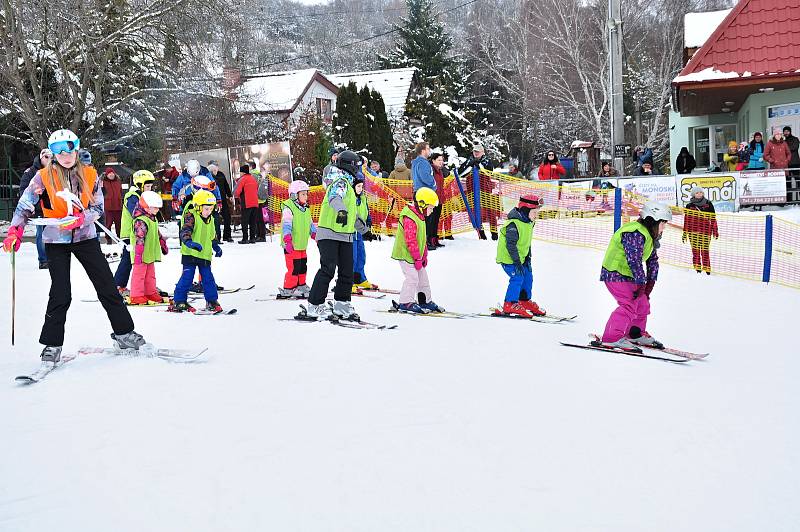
<point x="630" y="266"/>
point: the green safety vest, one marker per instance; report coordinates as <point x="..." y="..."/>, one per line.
<point x="400" y="250"/>
<point x="327" y="216"/>
<point x="204" y="233"/>
<point x="152" y="244"/>
<point x="615" y="260"/>
<point x="127" y="218"/>
<point x="301" y="225"/>
<point x="523" y="244"/>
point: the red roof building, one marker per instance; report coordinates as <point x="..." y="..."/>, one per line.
<point x="745" y="77"/>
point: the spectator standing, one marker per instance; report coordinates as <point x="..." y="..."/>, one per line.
<point x="400" y="172"/>
<point x="731" y="158"/>
<point x="42" y="160"/>
<point x="699" y="225"/>
<point x="112" y="201"/>
<point x="247" y="193"/>
<point x="551" y="167"/>
<point x="794" y="161"/>
<point x="645" y="170"/>
<point x="477" y="162"/>
<point x="684" y="163"/>
<point x="168" y="176"/>
<point x="225" y="195"/>
<point x="744" y="156"/>
<point x="513" y="171"/>
<point x="777" y="152"/>
<point x="422" y="177"/>
<point x="440" y="171"/>
<point x="607" y="170"/>
<point x="756" y="152"/>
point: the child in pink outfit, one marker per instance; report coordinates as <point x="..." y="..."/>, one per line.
<point x="148" y="247"/>
<point x="410" y="250"/>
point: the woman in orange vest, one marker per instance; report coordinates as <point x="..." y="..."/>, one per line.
<point x="71" y="197"/>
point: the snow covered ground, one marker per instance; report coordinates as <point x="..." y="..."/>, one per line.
<point x="441" y="425"/>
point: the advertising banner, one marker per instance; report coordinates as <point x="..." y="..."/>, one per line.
<point x="657" y="188"/>
<point x="720" y="189"/>
<point x="271" y="159"/>
<point x="762" y="188"/>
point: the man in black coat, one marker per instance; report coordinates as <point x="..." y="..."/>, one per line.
<point x="793" y="176"/>
<point x="685" y="163"/>
<point x="226" y="195"/>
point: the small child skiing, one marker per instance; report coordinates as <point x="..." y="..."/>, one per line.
<point x="198" y="239"/>
<point x="363" y="232"/>
<point x="514" y="255"/>
<point x="411" y="251"/>
<point x="296" y="228"/>
<point x="625" y="277"/>
<point x="142" y="181"/>
<point x="148" y="247"/>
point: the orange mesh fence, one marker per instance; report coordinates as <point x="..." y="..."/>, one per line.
<point x="758" y="248"/>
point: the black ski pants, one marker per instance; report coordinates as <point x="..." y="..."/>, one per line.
<point x="333" y="254"/>
<point x="89" y="254"/>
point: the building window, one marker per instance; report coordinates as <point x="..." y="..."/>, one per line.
<point x="324" y="109"/>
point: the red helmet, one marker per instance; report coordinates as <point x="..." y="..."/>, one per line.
<point x="531" y="201"/>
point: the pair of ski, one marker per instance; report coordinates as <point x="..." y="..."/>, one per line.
<point x="666" y="354"/>
<point x="183" y="356"/>
<point x="303" y="316"/>
<point x="496" y="313"/>
<point x="192" y="296"/>
<point x="429" y="313"/>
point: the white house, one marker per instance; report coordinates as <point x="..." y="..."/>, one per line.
<point x="395" y="85"/>
<point x="286" y="94"/>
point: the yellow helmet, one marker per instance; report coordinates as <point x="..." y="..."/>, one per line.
<point x="426" y="197"/>
<point x="143" y="176"/>
<point x="203" y="197"/>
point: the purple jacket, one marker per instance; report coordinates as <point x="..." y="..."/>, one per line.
<point x="633" y="244"/>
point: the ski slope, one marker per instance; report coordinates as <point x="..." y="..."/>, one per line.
<point x="479" y="424"/>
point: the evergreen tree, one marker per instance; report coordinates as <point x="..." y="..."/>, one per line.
<point x="380" y="138"/>
<point x="365" y="96"/>
<point x="358" y="123"/>
<point x="341" y="118"/>
<point x="425" y="44"/>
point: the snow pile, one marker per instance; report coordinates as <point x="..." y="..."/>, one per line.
<point x="707" y="74"/>
<point x="393" y="85"/>
<point x="441" y="425"/>
<point x="278" y="91"/>
<point x="698" y="27"/>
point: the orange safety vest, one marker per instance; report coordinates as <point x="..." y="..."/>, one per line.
<point x="58" y="207"/>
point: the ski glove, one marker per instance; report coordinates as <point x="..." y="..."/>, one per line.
<point x="341" y="218"/>
<point x="648" y="287"/>
<point x="217" y="249"/>
<point x="13" y="240"/>
<point x="640" y="289"/>
<point x="368" y="236"/>
<point x="163" y="243"/>
<point x="74" y="224"/>
<point x="418" y="264"/>
<point x="191" y="244"/>
<point x="288" y="247"/>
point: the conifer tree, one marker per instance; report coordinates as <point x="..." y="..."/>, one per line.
<point x="380" y="139"/>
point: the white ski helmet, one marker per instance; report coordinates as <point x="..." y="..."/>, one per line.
<point x="62" y="141"/>
<point x="298" y="185"/>
<point x="193" y="167"/>
<point x="657" y="211"/>
<point x="151" y="199"/>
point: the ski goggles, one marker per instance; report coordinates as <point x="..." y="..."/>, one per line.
<point x="65" y="146"/>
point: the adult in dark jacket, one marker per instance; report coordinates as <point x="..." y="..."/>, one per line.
<point x="685" y="163"/>
<point x="645" y="170"/>
<point x="112" y="201"/>
<point x="793" y="176"/>
<point x="699" y="225"/>
<point x="478" y="160"/>
<point x="225" y="193"/>
<point x="39" y="162"/>
<point x="167" y="176"/>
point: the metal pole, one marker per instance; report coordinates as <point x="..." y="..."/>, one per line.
<point x="617" y="115"/>
<point x="13" y="294"/>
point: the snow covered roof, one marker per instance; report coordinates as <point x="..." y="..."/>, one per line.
<point x="756" y="38"/>
<point x="698" y="27"/>
<point x="277" y="91"/>
<point x="393" y="85"/>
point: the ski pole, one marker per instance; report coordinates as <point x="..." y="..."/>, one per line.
<point x="13" y="293"/>
<point x="112" y="235"/>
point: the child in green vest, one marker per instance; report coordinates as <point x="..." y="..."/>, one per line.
<point x="624" y="273"/>
<point x="411" y="251"/>
<point x="363" y="232"/>
<point x="198" y="244"/>
<point x="148" y="247"/>
<point x="296" y="228"/>
<point x="514" y="255"/>
<point x="142" y="182"/>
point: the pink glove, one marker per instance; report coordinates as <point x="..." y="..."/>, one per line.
<point x="74" y="224"/>
<point x="13" y="240"/>
<point x="424" y="262"/>
<point x="287" y="241"/>
<point x="163" y="243"/>
<point x="418" y="264"/>
<point x="138" y="254"/>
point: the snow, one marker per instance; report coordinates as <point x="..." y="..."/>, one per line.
<point x="698" y="27"/>
<point x="441" y="425"/>
<point x="393" y="85"/>
<point x="277" y="91"/>
<point x="707" y="74"/>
